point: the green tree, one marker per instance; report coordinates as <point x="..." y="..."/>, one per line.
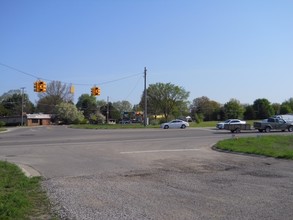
<point x="97" y="118"/>
<point x="111" y="111"/>
<point x="233" y="109"/>
<point x="88" y="105"/>
<point x="123" y="106"/>
<point x="181" y="110"/>
<point x="68" y="113"/>
<point x="153" y="105"/>
<point x="164" y="98"/>
<point x="203" y="107"/>
<point x="249" y="113"/>
<point x="137" y="108"/>
<point x="101" y="103"/>
<point x="3" y="111"/>
<point x="276" y="107"/>
<point x="263" y="108"/>
<point x="9" y="94"/>
<point x="13" y="104"/>
<point x="287" y="107"/>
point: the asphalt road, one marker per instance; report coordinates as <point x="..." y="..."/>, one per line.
<point x="151" y="174"/>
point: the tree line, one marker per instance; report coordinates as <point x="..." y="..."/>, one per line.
<point x="165" y="101"/>
<point x="172" y="101"/>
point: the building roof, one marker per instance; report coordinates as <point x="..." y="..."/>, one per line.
<point x="38" y="116"/>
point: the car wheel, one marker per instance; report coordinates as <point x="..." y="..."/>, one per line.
<point x="268" y="129"/>
<point x="260" y="130"/>
<point x="290" y="129"/>
<point x="183" y="126"/>
<point x="166" y="127"/>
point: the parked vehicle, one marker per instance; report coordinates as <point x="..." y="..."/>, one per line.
<point x="288" y="117"/>
<point x="274" y="123"/>
<point x="175" y="124"/>
<point x="125" y="122"/>
<point x="229" y="121"/>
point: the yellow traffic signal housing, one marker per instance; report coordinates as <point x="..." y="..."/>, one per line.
<point x="93" y="91"/>
<point x="42" y="86"/>
<point x="36" y="86"/>
<point x="97" y="91"/>
<point x="72" y="89"/>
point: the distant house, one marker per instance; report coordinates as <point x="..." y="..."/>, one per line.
<point x="28" y="119"/>
<point x="38" y="119"/>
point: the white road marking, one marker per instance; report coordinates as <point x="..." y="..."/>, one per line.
<point x="157" y="151"/>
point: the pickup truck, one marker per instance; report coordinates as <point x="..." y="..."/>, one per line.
<point x="273" y="124"/>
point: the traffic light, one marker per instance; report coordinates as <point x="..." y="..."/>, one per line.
<point x="36" y="86"/>
<point x="93" y="91"/>
<point x="42" y="86"/>
<point x="98" y="91"/>
<point x="72" y="89"/>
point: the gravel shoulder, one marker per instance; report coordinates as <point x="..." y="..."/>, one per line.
<point x="253" y="188"/>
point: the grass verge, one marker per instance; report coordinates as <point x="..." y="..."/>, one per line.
<point x="278" y="146"/>
<point x="127" y="126"/>
<point x="21" y="197"/>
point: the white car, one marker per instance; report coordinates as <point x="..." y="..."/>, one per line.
<point x="229" y="121"/>
<point x="177" y="123"/>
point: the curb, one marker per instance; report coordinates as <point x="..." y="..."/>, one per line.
<point x="28" y="171"/>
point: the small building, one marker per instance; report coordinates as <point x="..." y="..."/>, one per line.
<point x="38" y="119"/>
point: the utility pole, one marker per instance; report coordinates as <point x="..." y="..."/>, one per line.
<point x="145" y="115"/>
<point x="22" y="93"/>
<point x="107" y="109"/>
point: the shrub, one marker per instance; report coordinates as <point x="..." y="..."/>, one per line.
<point x="2" y="123"/>
<point x="199" y="118"/>
<point x="154" y="122"/>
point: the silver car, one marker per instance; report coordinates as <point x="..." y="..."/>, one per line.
<point x="229" y="121"/>
<point x="177" y="123"/>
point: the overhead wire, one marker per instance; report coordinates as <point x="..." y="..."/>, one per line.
<point x="18" y="70"/>
<point x="78" y="84"/>
<point x="135" y="85"/>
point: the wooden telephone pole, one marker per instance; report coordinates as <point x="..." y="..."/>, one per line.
<point x="145" y="115"/>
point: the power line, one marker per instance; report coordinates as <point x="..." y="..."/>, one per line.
<point x="126" y="77"/>
<point x="17" y="70"/>
<point x="78" y="84"/>
<point x="135" y="85"/>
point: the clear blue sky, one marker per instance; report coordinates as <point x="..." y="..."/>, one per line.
<point x="221" y="49"/>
